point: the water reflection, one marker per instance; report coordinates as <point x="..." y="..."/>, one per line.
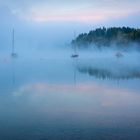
<point x="106" y="74"/>
<point x="49" y="99"/>
<point x="75" y="60"/>
<point x="13" y="70"/>
<point x="110" y="68"/>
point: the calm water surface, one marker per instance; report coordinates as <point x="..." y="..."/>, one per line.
<point x="50" y="96"/>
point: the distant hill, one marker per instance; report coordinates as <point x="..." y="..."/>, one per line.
<point x="120" y="36"/>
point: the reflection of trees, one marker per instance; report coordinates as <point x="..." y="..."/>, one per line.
<point x="106" y="74"/>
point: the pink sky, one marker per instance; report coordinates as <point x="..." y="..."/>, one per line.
<point x="80" y="10"/>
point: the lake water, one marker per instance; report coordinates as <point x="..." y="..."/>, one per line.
<point x="47" y="95"/>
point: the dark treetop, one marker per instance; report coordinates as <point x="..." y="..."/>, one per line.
<point x="120" y="36"/>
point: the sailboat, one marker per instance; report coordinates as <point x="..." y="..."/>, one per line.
<point x="119" y="54"/>
<point x="75" y="53"/>
<point x="75" y="49"/>
<point x="13" y="54"/>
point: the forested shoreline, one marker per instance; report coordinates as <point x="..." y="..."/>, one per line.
<point x="120" y="36"/>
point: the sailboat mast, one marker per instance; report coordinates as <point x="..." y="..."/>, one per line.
<point x="13" y="41"/>
<point x="75" y="49"/>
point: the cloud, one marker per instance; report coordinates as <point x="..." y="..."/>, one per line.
<point x="80" y="10"/>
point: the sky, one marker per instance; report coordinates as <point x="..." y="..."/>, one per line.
<point x="44" y="23"/>
<point x="84" y="11"/>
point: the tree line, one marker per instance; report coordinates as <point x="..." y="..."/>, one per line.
<point x="106" y="36"/>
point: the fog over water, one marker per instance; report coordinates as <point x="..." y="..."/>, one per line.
<point x="47" y="95"/>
